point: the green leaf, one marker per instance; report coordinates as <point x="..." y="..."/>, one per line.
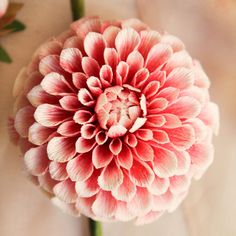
<point x="4" y="56"/>
<point x="15" y="26"/>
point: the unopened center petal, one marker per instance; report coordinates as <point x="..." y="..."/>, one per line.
<point x="118" y="107"/>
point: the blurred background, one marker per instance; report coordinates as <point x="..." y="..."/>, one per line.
<point x="208" y="29"/>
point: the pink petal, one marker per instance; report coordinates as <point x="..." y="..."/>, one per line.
<point x="50" y="115"/>
<point x="151" y="89"/>
<point x="88" y="25"/>
<point x="201" y="155"/>
<point x="144" y="134"/>
<point x="159" y="186"/>
<point x="160" y="136"/>
<point x="126" y="190"/>
<point x="163" y="202"/>
<point x="58" y="171"/>
<point x="104" y="205"/>
<point x="110" y="34"/>
<point x="179" y="184"/>
<point x="199" y="127"/>
<point x="198" y="93"/>
<point x="106" y="76"/>
<point x="126" y="41"/>
<point x="3" y="7"/>
<point x="165" y="162"/>
<point x="185" y="107"/>
<point x="144" y="151"/>
<point x="201" y="79"/>
<point x="53" y="47"/>
<point x="69" y="129"/>
<point x="90" y="66"/>
<point x="157" y="56"/>
<point x="140" y="78"/>
<point x="139" y="122"/>
<point x="141" y="174"/>
<point x="155" y="121"/>
<point x="210" y="116"/>
<point x="84" y="205"/>
<point x="135" y="24"/>
<point x="74" y="42"/>
<point x="141" y="203"/>
<point x="101" y="137"/>
<point x="94" y="45"/>
<point x="56" y="84"/>
<point x="179" y="59"/>
<point x="68" y="208"/>
<point x="80" y="168"/>
<point x="101" y="156"/>
<point x="39" y="134"/>
<point x="19" y="81"/>
<point x="111" y="177"/>
<point x="88" y="131"/>
<point x="89" y="187"/>
<point x="33" y="80"/>
<point x="157" y="105"/>
<point x="116" y="131"/>
<point x="64" y="35"/>
<point x="122" y="212"/>
<point x="183" y="162"/>
<point x="46" y="182"/>
<point x="65" y="191"/>
<point x="148" y="40"/>
<point x="158" y="76"/>
<point x="94" y="85"/>
<point x="23" y="120"/>
<point x="115" y="146"/>
<point x="13" y="135"/>
<point x="83" y="117"/>
<point x="70" y="59"/>
<point x="122" y="71"/>
<point x="50" y="63"/>
<point x="85" y="97"/>
<point x="84" y="145"/>
<point x="135" y="61"/>
<point x="182" y="137"/>
<point x="149" y="217"/>
<point x="38" y="96"/>
<point x="143" y="104"/>
<point x="125" y="157"/>
<point x="169" y="93"/>
<point x="172" y="121"/>
<point x="61" y="149"/>
<point x="111" y="57"/>
<point x="36" y="160"/>
<point x="180" y="78"/>
<point x="69" y="103"/>
<point x="131" y="140"/>
<point x="79" y="80"/>
<point x="176" y="43"/>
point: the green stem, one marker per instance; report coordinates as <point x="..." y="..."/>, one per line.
<point x="77" y="8"/>
<point x="95" y="228"/>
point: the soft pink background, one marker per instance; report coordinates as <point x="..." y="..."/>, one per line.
<point x="208" y="29"/>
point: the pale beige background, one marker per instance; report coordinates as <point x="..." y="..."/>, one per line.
<point x="208" y="31"/>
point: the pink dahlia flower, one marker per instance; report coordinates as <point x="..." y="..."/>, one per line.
<point x="3" y="7"/>
<point x="114" y="120"/>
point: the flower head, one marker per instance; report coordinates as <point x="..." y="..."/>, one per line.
<point x="114" y="120"/>
<point x="3" y="7"/>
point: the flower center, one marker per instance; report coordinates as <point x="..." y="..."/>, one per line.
<point x="118" y="108"/>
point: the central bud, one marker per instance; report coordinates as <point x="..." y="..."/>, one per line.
<point x="119" y="108"/>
